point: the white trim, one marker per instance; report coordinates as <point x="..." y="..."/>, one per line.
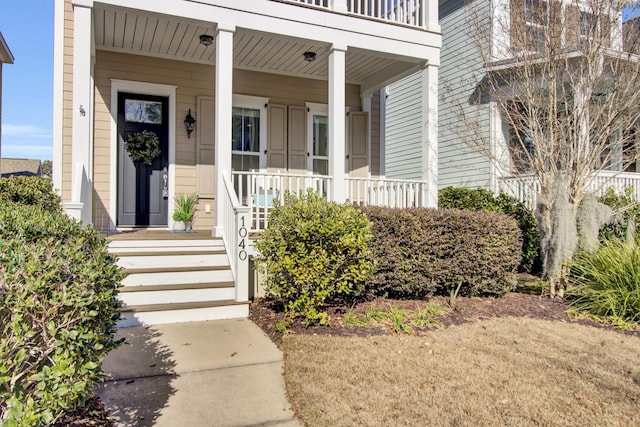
<point x="337" y="122"/>
<point x="366" y="107"/>
<point x="58" y="94"/>
<point x="316" y="109"/>
<point x="142" y="88"/>
<point x="383" y="131"/>
<point x="256" y="103"/>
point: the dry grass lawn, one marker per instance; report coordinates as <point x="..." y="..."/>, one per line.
<point x="508" y="371"/>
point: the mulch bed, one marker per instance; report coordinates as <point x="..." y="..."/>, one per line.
<point x="93" y="414"/>
<point x="266" y="315"/>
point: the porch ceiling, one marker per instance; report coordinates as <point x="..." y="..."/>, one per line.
<point x="131" y="31"/>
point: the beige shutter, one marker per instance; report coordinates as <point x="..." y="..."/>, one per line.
<point x="205" y="149"/>
<point x="358" y="144"/>
<point x="297" y="139"/>
<point x="277" y="138"/>
<point x="572" y="19"/>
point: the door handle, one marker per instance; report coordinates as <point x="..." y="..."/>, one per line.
<point x="165" y="179"/>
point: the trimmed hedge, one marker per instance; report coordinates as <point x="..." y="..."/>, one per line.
<point x="483" y="200"/>
<point x="423" y="252"/>
<point x="58" y="310"/>
<point x="31" y="191"/>
<point x="314" y="252"/>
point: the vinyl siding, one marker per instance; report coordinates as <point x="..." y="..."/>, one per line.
<point x="461" y="125"/>
<point x="403" y="156"/>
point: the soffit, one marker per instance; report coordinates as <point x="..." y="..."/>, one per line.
<point x="130" y="31"/>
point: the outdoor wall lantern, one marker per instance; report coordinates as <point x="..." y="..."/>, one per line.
<point x="309" y="56"/>
<point x="189" y="123"/>
<point x="206" y="39"/>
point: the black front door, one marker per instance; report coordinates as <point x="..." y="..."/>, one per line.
<point x="143" y="189"/>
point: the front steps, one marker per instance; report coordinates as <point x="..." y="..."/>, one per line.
<point x="171" y="281"/>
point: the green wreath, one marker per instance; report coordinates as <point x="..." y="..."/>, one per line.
<point x="143" y="147"/>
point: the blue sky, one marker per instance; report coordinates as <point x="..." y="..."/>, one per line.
<point x="27" y="27"/>
<point x="27" y="85"/>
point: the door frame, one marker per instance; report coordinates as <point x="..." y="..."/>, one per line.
<point x="142" y="88"/>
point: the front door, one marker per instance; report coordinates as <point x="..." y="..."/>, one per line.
<point x="143" y="187"/>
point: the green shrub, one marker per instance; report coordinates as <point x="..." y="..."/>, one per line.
<point x="483" y="200"/>
<point x="58" y="312"/>
<point x="607" y="282"/>
<point x="625" y="208"/>
<point x="423" y="252"/>
<point x="313" y="252"/>
<point x="29" y="190"/>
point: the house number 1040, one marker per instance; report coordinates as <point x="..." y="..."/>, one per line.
<point x="242" y="233"/>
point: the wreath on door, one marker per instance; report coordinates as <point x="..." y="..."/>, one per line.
<point x="143" y="147"/>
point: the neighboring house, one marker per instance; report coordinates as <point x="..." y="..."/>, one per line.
<point x="6" y="57"/>
<point x="20" y="167"/>
<point x="284" y="94"/>
<point x="462" y="70"/>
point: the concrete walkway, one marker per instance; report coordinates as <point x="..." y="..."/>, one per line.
<point x="217" y="373"/>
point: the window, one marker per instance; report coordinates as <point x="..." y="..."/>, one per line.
<point x="320" y="145"/>
<point x="536" y="21"/>
<point x="248" y="132"/>
<point x="318" y="138"/>
<point x="245" y="139"/>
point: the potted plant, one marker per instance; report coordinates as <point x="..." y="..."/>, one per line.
<point x="185" y="209"/>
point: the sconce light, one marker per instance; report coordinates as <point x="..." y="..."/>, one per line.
<point x="189" y="123"/>
<point x="309" y="56"/>
<point x="206" y="39"/>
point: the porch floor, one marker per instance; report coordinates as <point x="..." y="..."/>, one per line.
<point x="150" y="234"/>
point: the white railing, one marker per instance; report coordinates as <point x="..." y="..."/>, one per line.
<point x="526" y="188"/>
<point x="236" y="221"/>
<point x="258" y="191"/>
<point x="405" y="12"/>
<point x="393" y="193"/>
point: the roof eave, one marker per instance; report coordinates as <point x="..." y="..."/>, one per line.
<point x="6" y="57"/>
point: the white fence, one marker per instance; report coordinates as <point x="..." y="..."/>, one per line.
<point x="258" y="191"/>
<point x="526" y="188"/>
<point x="391" y="193"/>
<point x="406" y="12"/>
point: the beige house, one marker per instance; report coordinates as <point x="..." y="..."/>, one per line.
<point x="6" y="57"/>
<point x="240" y="101"/>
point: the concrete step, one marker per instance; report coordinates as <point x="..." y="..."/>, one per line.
<point x="178" y="277"/>
<point x="190" y="312"/>
<point x="172" y="281"/>
<point x="175" y="296"/>
<point x="136" y="262"/>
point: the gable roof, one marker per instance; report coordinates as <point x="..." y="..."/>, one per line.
<point x="5" y="53"/>
<point x="20" y="167"/>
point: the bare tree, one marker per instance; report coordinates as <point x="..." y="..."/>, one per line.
<point x="568" y="91"/>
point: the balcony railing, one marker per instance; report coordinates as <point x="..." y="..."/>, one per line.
<point x="406" y="12"/>
<point x="526" y="188"/>
<point x="259" y="190"/>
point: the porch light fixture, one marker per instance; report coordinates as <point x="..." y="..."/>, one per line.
<point x="206" y="39"/>
<point x="309" y="56"/>
<point x="189" y="123"/>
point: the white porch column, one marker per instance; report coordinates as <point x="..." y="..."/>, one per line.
<point x="430" y="134"/>
<point x="337" y="119"/>
<point x="339" y="6"/>
<point x="82" y="113"/>
<point x="430" y="7"/>
<point x="222" y="119"/>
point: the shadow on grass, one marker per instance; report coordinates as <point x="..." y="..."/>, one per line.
<point x="141" y="374"/>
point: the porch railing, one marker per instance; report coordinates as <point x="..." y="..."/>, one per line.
<point x="393" y="193"/>
<point x="258" y="191"/>
<point x="236" y="221"/>
<point x="405" y="12"/>
<point x="526" y="188"/>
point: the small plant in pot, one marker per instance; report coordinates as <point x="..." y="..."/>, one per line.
<point x="185" y="209"/>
